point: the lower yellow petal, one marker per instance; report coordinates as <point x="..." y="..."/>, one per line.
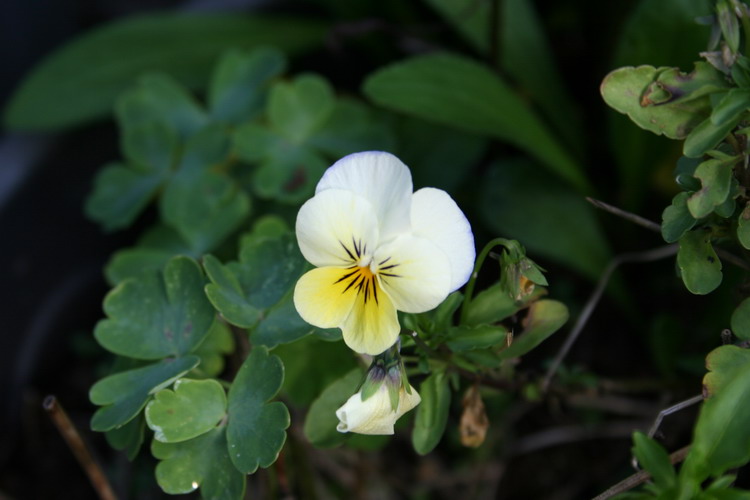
<point x="372" y="326"/>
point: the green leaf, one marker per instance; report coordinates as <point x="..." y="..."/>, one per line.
<point x="432" y="413"/>
<point x="654" y="458"/>
<point x="350" y="128"/>
<point x="128" y="437"/>
<point x="154" y="248"/>
<point x="159" y="98"/>
<point x="297" y="109"/>
<point x="206" y="149"/>
<point x="734" y="102"/>
<point x="467" y="338"/>
<point x="741" y="320"/>
<point x="156" y="316"/>
<point x="153" y="146"/>
<point x="281" y="324"/>
<point x="321" y="420"/>
<point x="743" y="227"/>
<point x="459" y="92"/>
<point x="267" y="270"/>
<point x="80" y="81"/>
<point x="544" y="318"/>
<point x="193" y="408"/>
<point x="698" y="263"/>
<point x="706" y="136"/>
<point x="218" y="343"/>
<point x="721" y="438"/>
<point x="239" y="84"/>
<point x="291" y="176"/>
<point x="201" y="462"/>
<point x="550" y="219"/>
<point x="676" y="219"/>
<point x="723" y="363"/>
<point x="494" y="304"/>
<point x="716" y="182"/>
<point x="204" y="207"/>
<point x="123" y="395"/>
<point x="663" y="100"/>
<point x="256" y="430"/>
<point x="120" y="194"/>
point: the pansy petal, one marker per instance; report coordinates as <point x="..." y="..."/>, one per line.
<point x="414" y="273"/>
<point x="372" y="416"/>
<point x="372" y="327"/>
<point x="382" y="179"/>
<point x="321" y="298"/>
<point x="435" y="216"/>
<point x="335" y="227"/>
<point x="407" y="400"/>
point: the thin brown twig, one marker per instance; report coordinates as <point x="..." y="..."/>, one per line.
<point x="647" y="256"/>
<point x="76" y="444"/>
<point x="640" y="477"/>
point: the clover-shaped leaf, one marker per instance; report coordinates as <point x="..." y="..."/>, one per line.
<point x="237" y="92"/>
<point x="158" y="97"/>
<point x="150" y="145"/>
<point x="123" y="395"/>
<point x="297" y="109"/>
<point x="192" y="408"/>
<point x="202" y="462"/>
<point x="699" y="265"/>
<point x="204" y="207"/>
<point x="128" y="437"/>
<point x="256" y="429"/>
<point x="157" y="315"/>
<point x="218" y="343"/>
<point x="260" y="284"/>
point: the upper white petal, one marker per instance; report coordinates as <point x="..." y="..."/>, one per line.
<point x="382" y="179"/>
<point x="332" y="222"/>
<point x="414" y="273"/>
<point x="435" y="216"/>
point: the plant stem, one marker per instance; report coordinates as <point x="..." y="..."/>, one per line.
<point x="472" y="281"/>
<point x="76" y="444"/>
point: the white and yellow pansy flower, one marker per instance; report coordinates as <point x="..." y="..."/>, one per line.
<point x="378" y="248"/>
<point x="375" y="415"/>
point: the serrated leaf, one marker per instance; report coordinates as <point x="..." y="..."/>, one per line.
<point x="716" y="182"/>
<point x="544" y="318"/>
<point x="191" y="408"/>
<point x="663" y="100"/>
<point x="123" y="395"/>
<point x="743" y="227"/>
<point x="321" y="420"/>
<point x="204" y="207"/>
<point x="238" y="87"/>
<point x="699" y="265"/>
<point x="80" y="81"/>
<point x="676" y="219"/>
<point x="432" y="413"/>
<point x="467" y="338"/>
<point x="741" y="320"/>
<point x="157" y="315"/>
<point x="256" y="429"/>
<point x="267" y="269"/>
<point x="721" y="438"/>
<point x="120" y="194"/>
<point x="298" y="108"/>
<point x="461" y="93"/>
<point x="653" y="458"/>
<point x="129" y="437"/>
<point x="202" y="463"/>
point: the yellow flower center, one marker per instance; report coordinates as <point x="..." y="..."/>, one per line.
<point x="361" y="281"/>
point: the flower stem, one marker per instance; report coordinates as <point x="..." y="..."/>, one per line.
<point x="477" y="265"/>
